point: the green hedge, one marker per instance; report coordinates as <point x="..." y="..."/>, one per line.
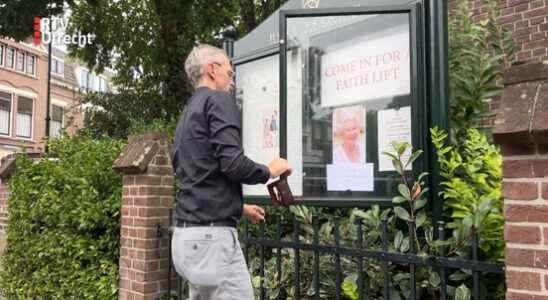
<point x="64" y="223"/>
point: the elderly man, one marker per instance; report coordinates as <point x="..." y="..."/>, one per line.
<point x="210" y="167"/>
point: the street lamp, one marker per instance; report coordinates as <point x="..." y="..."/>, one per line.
<point x="48" y="96"/>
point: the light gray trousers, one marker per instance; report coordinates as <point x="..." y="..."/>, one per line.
<point x="211" y="259"/>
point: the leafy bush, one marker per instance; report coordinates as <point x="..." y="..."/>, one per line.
<point x="407" y="217"/>
<point x="64" y="222"/>
<point x="472" y="179"/>
<point x="166" y="126"/>
<point x="478" y="52"/>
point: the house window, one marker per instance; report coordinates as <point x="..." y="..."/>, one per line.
<point x="91" y="82"/>
<point x="58" y="67"/>
<point x="24" y="117"/>
<point x="5" y="111"/>
<point x="20" y="62"/>
<point x="30" y="64"/>
<point x="56" y="120"/>
<point x="2" y="55"/>
<point x="84" y="79"/>
<point x="10" y="56"/>
<point x="103" y="86"/>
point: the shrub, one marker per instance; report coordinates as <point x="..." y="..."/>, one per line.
<point x="471" y="187"/>
<point x="409" y="208"/>
<point x="64" y="223"/>
<point x="478" y="52"/>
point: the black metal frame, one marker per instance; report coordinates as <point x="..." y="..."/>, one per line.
<point x="419" y="107"/>
<point x="431" y="60"/>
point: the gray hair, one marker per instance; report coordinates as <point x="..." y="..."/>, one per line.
<point x="200" y="56"/>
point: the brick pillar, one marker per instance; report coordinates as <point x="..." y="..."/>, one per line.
<point x="521" y="129"/>
<point x="147" y="198"/>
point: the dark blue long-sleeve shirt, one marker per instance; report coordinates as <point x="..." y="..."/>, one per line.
<point x="208" y="159"/>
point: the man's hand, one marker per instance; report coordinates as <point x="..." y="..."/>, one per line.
<point x="278" y="166"/>
<point x="254" y="213"/>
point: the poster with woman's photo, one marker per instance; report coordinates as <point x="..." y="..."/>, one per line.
<point x="349" y="170"/>
<point x="349" y="135"/>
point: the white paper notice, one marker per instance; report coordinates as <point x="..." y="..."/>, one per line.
<point x="258" y="90"/>
<point x="394" y="126"/>
<point x="350" y="177"/>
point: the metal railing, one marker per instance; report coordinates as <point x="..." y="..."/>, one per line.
<point x="359" y="252"/>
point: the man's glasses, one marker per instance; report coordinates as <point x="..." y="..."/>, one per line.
<point x="230" y="73"/>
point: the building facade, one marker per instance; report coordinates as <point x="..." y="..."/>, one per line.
<point x="23" y="95"/>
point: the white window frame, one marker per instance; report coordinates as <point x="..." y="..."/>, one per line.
<point x="84" y="80"/>
<point x="27" y="56"/>
<point x="91" y="82"/>
<point x="2" y="54"/>
<point x="104" y="87"/>
<point x="55" y="61"/>
<point x="63" y="105"/>
<point x="10" y="49"/>
<point x="31" y="137"/>
<point x="24" y="61"/>
<point x="11" y="114"/>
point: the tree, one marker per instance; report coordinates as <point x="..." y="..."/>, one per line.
<point x="152" y="38"/>
<point x="145" y="42"/>
<point x="17" y="17"/>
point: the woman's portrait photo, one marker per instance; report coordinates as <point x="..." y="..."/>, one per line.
<point x="349" y="135"/>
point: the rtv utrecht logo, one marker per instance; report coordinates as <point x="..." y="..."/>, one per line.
<point x="47" y="30"/>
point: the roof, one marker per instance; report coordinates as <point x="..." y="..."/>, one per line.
<point x="266" y="35"/>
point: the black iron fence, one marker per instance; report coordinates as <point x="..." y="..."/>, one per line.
<point x="285" y="280"/>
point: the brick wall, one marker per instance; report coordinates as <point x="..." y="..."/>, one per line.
<point x="146" y="202"/>
<point x="522" y="132"/>
<point x="528" y="21"/>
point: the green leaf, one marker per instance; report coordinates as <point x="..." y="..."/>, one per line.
<point x="256" y="281"/>
<point x="462" y="293"/>
<point x="413" y="157"/>
<point x="405" y="245"/>
<point x="399" y="199"/>
<point x="350" y="288"/>
<point x="424" y="191"/>
<point x="401" y="147"/>
<point x="392" y="156"/>
<point x="420" y="203"/>
<point x="398" y="239"/>
<point x="458" y="276"/>
<point x="434" y="279"/>
<point x="421" y="218"/>
<point x="402" y="213"/>
<point x="404" y="191"/>
<point x="397" y="167"/>
<point x="401" y="276"/>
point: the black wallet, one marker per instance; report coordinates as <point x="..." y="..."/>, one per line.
<point x="279" y="191"/>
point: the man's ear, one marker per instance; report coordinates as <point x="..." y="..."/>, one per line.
<point x="209" y="71"/>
